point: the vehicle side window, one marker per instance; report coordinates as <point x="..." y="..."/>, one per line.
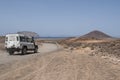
<point x="22" y="39"/>
<point x="29" y="40"/>
<point x="17" y="38"/>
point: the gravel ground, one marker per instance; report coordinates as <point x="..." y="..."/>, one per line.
<point x="60" y="65"/>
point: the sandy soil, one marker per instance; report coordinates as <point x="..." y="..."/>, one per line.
<point x="60" y="65"/>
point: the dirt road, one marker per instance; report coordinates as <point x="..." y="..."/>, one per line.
<point x="60" y="65"/>
<point x="44" y="48"/>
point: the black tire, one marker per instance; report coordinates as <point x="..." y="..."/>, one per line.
<point x="11" y="52"/>
<point x="35" y="50"/>
<point x="24" y="50"/>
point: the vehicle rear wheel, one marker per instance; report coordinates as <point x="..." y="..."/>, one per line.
<point x="24" y="50"/>
<point x="11" y="52"/>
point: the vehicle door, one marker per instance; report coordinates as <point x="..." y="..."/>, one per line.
<point x="30" y="43"/>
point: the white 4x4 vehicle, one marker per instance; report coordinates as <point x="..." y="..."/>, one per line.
<point x="19" y="42"/>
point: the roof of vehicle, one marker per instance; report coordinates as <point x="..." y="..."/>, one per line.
<point x="14" y="35"/>
<point x="18" y="35"/>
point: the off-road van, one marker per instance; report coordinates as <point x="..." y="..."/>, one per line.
<point x="19" y="43"/>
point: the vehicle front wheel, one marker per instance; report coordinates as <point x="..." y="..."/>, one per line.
<point x="24" y="50"/>
<point x="35" y="50"/>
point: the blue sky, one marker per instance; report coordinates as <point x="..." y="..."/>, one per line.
<point x="60" y="17"/>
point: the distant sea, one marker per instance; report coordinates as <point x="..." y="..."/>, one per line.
<point x="52" y="38"/>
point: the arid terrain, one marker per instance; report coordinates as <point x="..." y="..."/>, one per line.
<point x="70" y="59"/>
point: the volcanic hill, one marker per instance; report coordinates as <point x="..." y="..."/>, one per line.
<point x="96" y="35"/>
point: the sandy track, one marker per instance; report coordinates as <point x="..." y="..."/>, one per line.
<point x="23" y="65"/>
<point x="61" y="65"/>
<point x="44" y="48"/>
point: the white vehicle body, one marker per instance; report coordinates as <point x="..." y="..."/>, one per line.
<point x="19" y="42"/>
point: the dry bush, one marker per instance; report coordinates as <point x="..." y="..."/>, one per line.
<point x="108" y="47"/>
